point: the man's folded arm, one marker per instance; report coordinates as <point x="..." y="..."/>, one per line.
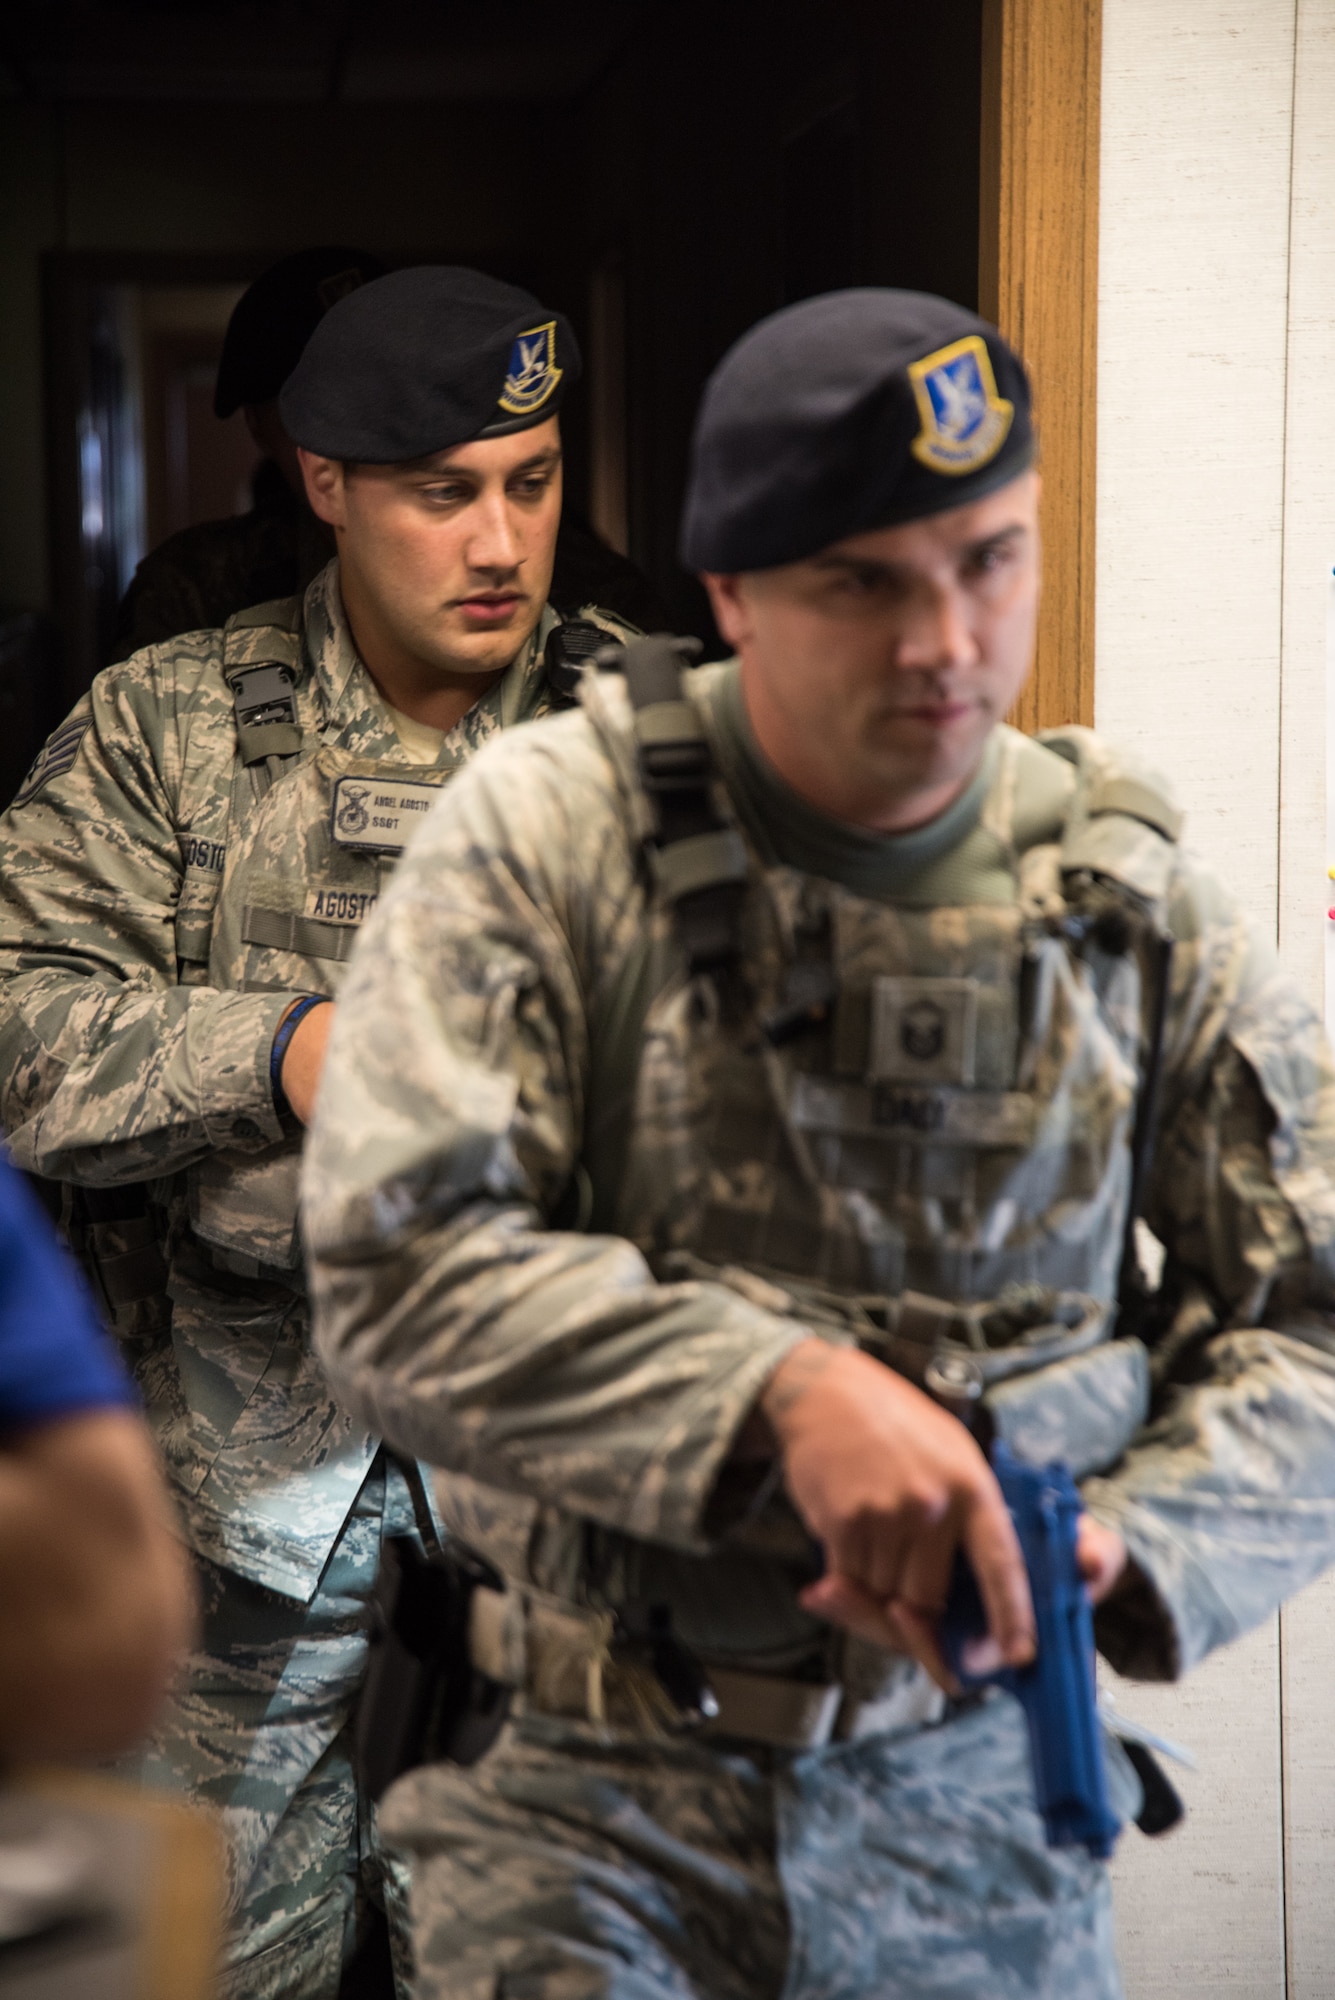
<point x="109" y="1070"/>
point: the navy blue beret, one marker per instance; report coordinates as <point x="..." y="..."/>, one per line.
<point x="424" y="359"/>
<point x="855" y="410"/>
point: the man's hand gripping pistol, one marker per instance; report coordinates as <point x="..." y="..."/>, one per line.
<point x="1057" y="1690"/>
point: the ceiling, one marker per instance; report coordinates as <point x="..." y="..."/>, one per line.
<point x="348" y="51"/>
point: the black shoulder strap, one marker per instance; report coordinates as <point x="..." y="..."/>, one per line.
<point x="1157" y="975"/>
<point x="261" y="665"/>
<point x="696" y="855"/>
<point x="1107" y="914"/>
<point x="569" y="646"/>
<point x="575" y="641"/>
<point x="1117" y="857"/>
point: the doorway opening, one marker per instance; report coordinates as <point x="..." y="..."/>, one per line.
<point x="666" y="176"/>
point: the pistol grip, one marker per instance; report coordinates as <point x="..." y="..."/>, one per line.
<point x="1056" y="1691"/>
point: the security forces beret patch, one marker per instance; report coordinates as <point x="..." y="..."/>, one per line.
<point x="855" y="410"/>
<point x="276" y="316"/>
<point x="424" y="359"/>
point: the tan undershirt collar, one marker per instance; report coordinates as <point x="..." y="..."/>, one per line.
<point x="420" y="743"/>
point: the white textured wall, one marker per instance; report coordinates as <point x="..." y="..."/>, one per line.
<point x="1193" y="305"/>
<point x="1216" y="541"/>
<point x="1307" y="824"/>
<point x="1309" y="502"/>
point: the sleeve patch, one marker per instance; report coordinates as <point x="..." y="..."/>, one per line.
<point x="55" y="758"/>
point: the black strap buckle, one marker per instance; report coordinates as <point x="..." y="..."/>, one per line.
<point x="263" y="694"/>
<point x="647" y="1630"/>
<point x="569" y="647"/>
<point x="675" y="767"/>
<point x="265" y="706"/>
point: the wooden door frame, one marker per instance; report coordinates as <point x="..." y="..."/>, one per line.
<point x="1038" y="279"/>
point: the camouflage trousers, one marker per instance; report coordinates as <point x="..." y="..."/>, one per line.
<point x="570" y="1865"/>
<point x="260" y="1727"/>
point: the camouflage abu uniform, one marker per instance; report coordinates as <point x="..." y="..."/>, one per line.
<point x="161" y="900"/>
<point x="584" y="1389"/>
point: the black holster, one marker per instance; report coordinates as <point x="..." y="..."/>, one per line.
<point x="424" y="1701"/>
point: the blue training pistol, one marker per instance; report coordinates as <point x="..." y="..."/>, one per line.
<point x="1057" y="1690"/>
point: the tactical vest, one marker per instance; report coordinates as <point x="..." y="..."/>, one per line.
<point x="905" y="1124"/>
<point x="922" y="1104"/>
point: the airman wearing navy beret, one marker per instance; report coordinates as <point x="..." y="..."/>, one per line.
<point x="379" y="368"/>
<point x="862" y="1025"/>
<point x="191" y="859"/>
<point x="425" y="359"/>
<point x="855" y="410"/>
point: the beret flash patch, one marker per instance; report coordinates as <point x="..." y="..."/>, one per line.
<point x="964" y="420"/>
<point x="533" y="373"/>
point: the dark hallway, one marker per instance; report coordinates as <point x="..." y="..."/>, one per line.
<point x="665" y="173"/>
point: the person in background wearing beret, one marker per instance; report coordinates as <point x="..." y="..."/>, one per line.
<point x="182" y="878"/>
<point x="196" y="579"/>
<point x="836" y="1000"/>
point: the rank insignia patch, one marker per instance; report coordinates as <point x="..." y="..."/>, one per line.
<point x="533" y="373"/>
<point x="923" y="1030"/>
<point x="964" y="420"/>
<point x="55" y="758"/>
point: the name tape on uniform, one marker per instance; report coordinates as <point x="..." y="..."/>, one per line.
<point x="379" y="814"/>
<point x="942" y="1116"/>
<point x="340" y="906"/>
<point x="210" y="856"/>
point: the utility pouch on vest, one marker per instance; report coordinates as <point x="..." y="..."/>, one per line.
<point x="1056" y="1389"/>
<point x="114" y="1233"/>
<point x="1032" y="1367"/>
<point x="1084" y="1411"/>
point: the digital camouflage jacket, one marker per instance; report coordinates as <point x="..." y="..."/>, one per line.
<point x="960" y="1122"/>
<point x="161" y="901"/>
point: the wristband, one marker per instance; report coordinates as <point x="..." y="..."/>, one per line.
<point x="283" y="1034"/>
